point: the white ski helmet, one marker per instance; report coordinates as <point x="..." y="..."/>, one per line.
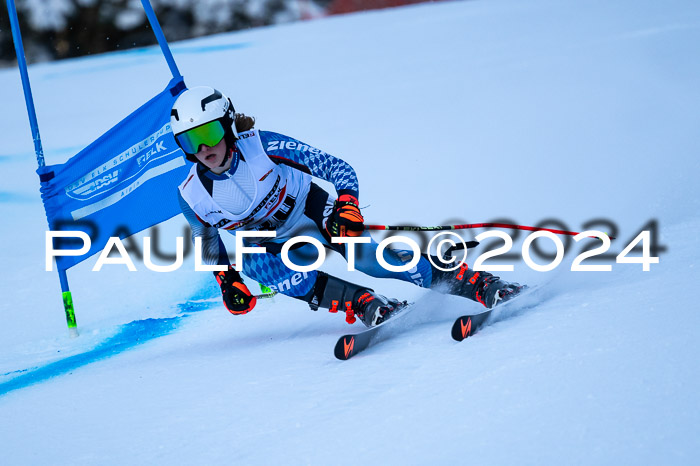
<point x="191" y="115"/>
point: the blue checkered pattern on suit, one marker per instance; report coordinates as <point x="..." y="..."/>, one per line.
<point x="318" y="163"/>
<point x="269" y="270"/>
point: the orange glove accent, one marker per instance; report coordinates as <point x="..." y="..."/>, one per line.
<point x="237" y="297"/>
<point x="346" y="218"/>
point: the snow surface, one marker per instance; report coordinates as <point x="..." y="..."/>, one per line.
<point x="450" y="112"/>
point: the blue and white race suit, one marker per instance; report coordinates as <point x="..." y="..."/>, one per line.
<point x="269" y="187"/>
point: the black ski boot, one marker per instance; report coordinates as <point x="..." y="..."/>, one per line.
<point x="373" y="308"/>
<point x="335" y="294"/>
<point x="481" y="287"/>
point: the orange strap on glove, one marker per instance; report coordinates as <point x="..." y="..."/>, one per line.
<point x="346" y="219"/>
<point x="237" y="297"/>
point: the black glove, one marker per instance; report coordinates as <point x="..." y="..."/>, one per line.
<point x="346" y="218"/>
<point x="237" y="296"/>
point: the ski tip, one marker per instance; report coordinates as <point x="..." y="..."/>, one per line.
<point x="463" y="328"/>
<point x="468" y="325"/>
<point x="345" y="348"/>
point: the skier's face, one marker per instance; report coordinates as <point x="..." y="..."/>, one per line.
<point x="212" y="157"/>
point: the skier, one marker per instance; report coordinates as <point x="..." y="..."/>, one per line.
<point x="244" y="178"/>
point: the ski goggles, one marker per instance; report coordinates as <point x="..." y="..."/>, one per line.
<point x="209" y="134"/>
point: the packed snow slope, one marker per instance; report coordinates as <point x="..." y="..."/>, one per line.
<point x="449" y="112"/>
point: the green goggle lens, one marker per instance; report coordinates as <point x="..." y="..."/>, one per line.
<point x="209" y="134"/>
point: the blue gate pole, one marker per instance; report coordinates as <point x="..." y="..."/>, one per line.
<point x="29" y="100"/>
<point x="155" y="25"/>
<point x="38" y="150"/>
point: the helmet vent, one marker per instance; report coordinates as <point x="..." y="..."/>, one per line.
<point x="215" y="96"/>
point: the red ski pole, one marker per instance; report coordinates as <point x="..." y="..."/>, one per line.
<point x="468" y="226"/>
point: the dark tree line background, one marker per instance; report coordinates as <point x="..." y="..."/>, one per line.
<point x="55" y="29"/>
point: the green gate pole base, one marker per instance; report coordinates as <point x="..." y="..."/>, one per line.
<point x="70" y="314"/>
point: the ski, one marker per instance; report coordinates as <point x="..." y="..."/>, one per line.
<point x="351" y="344"/>
<point x="467" y="325"/>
